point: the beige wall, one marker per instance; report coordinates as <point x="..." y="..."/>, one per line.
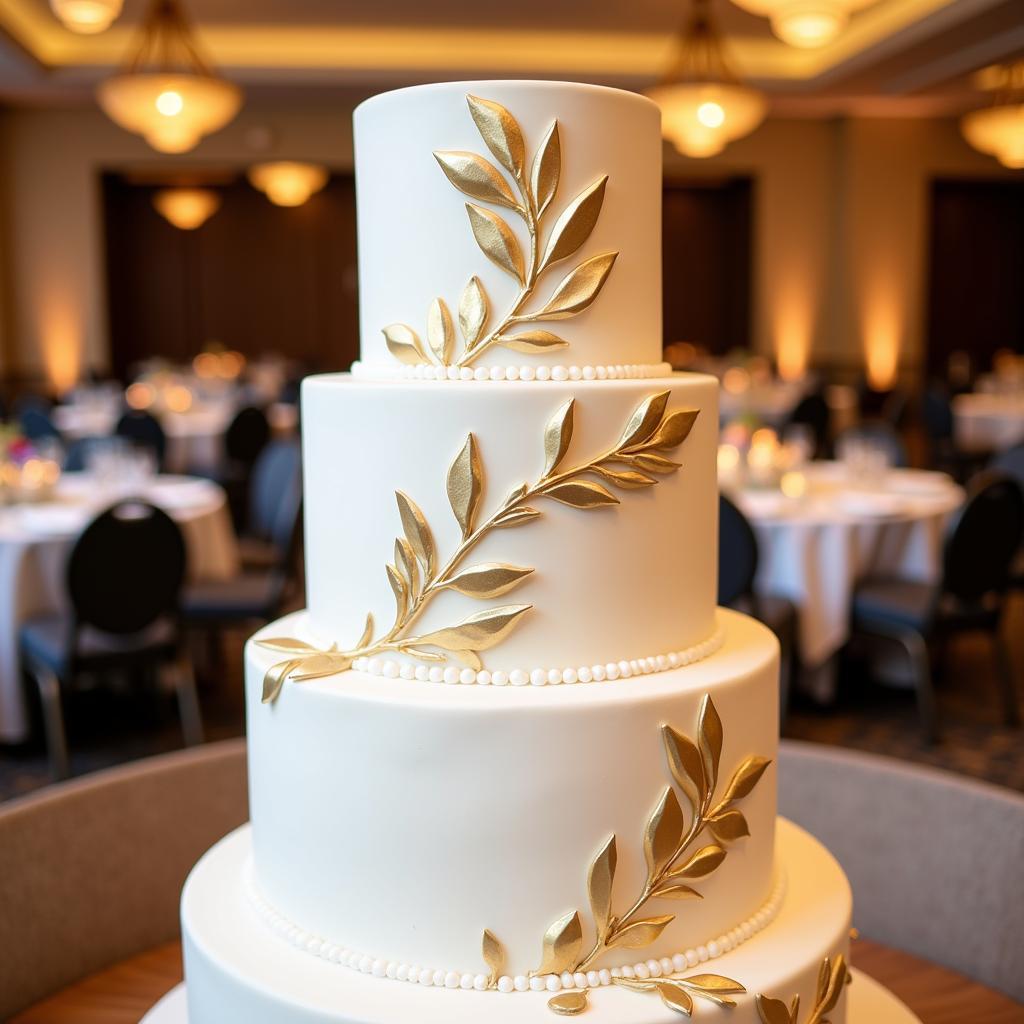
<point x="839" y="248"/>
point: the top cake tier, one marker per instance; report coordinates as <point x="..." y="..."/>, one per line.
<point x="506" y="225"/>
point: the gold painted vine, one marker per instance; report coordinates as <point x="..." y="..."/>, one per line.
<point x="416" y="575"/>
<point x="832" y="977"/>
<point x="534" y="190"/>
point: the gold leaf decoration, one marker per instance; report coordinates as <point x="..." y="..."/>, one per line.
<point x="676" y="891"/>
<point x="639" y="934"/>
<point x="745" y="778"/>
<point x="516" y="517"/>
<point x="685" y="763"/>
<point x="702" y="863"/>
<point x="489" y="579"/>
<point x="275" y="677"/>
<point x="578" y="289"/>
<point x="599" y="886"/>
<point x="494" y="957"/>
<point x="531" y="342"/>
<point x="570" y="1003"/>
<point x="405" y="562"/>
<point x="581" y="494"/>
<point x="833" y="977"/>
<point x="399" y="589"/>
<point x="775" y="1011"/>
<point x="663" y="832"/>
<point x="287" y="645"/>
<point x="547" y="165"/>
<point x="496" y="240"/>
<point x="655" y="463"/>
<point x="404" y="344"/>
<point x="629" y="479"/>
<point x="469" y="658"/>
<point x="711" y="736"/>
<point x="477" y="633"/>
<point x="441" y="331"/>
<point x="574" y="224"/>
<point x="472" y="311"/>
<point x="645" y="420"/>
<point x="417" y="532"/>
<point x="562" y="944"/>
<point x="675" y="998"/>
<point x="477" y="178"/>
<point x="729" y="826"/>
<point x="501" y="132"/>
<point x="465" y="485"/>
<point x="320" y="665"/>
<point x="675" y="429"/>
<point x="557" y="436"/>
<point x="367" y="635"/>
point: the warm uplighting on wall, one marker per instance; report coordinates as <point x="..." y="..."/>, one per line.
<point x="882" y="329"/>
<point x="287" y="182"/>
<point x="186" y="208"/>
<point x="86" y="17"/>
<point x="61" y="344"/>
<point x="792" y="332"/>
<point x="806" y="24"/>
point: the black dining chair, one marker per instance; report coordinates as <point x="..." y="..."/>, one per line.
<point x="247" y="435"/>
<point x="258" y="593"/>
<point x="980" y="544"/>
<point x="143" y="429"/>
<point x="880" y="434"/>
<point x="737" y="567"/>
<point x="124" y="578"/>
<point x="812" y="411"/>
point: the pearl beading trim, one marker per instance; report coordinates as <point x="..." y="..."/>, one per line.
<point x="452" y="674"/>
<point x="425" y="371"/>
<point x="417" y="975"/>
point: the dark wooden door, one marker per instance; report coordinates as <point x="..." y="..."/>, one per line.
<point x="255" y="277"/>
<point x="976" y="271"/>
<point x="706" y="253"/>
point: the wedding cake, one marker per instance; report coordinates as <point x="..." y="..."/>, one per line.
<point x="512" y="761"/>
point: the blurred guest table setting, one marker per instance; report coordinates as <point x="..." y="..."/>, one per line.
<point x="38" y="528"/>
<point x="987" y="421"/>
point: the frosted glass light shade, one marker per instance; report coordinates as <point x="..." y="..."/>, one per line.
<point x="186" y="208"/>
<point x="999" y="131"/>
<point x="86" y="17"/>
<point x="701" y="118"/>
<point x="287" y="182"/>
<point x="806" y="24"/>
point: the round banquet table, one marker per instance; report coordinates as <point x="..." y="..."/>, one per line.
<point x="814" y="549"/>
<point x="988" y="422"/>
<point x="123" y="994"/>
<point x="195" y="439"/>
<point x="35" y="540"/>
<point x="770" y="403"/>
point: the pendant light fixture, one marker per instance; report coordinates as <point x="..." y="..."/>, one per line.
<point x="86" y="17"/>
<point x="166" y="92"/>
<point x="999" y="128"/>
<point x="186" y="208"/>
<point x="287" y="182"/>
<point x="805" y="23"/>
<point x="704" y="106"/>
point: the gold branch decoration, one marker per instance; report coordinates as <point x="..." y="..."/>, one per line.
<point x="832" y="977"/>
<point x="677" y="855"/>
<point x="417" y="575"/>
<point x="529" y="197"/>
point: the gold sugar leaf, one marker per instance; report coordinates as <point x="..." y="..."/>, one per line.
<point x="729" y="826"/>
<point x="640" y="933"/>
<point x="286" y="645"/>
<point x="441" y="331"/>
<point x="476" y="177"/>
<point x="516" y="516"/>
<point x="468" y="658"/>
<point x="411" y="648"/>
<point x="531" y="342"/>
<point x="417" y="532"/>
<point x="794" y="1008"/>
<point x="663" y="832"/>
<point x="557" y="436"/>
<point x="834" y="983"/>
<point x="574" y="224"/>
<point x="644" y="421"/>
<point x="702" y="863"/>
<point x="496" y="240"/>
<point x="600" y="881"/>
<point x="465" y="485"/>
<point x="275" y="677"/>
<point x="494" y="956"/>
<point x="562" y="944"/>
<point x="472" y="311"/>
<point x="746" y="777"/>
<point x="627" y="479"/>
<point x="774" y="1011"/>
<point x="547" y="166"/>
<point x="489" y="579"/>
<point x="634" y="984"/>
<point x="655" y="463"/>
<point x="479" y="632"/>
<point x="569" y="1004"/>
<point x="675" y="998"/>
<point x="677" y="892"/>
<point x="824" y="973"/>
<point x="516" y="494"/>
<point x="578" y="289"/>
<point x="685" y="763"/>
<point x="715" y="983"/>
<point x="709" y="728"/>
<point x="501" y="132"/>
<point x="405" y="562"/>
<point x="675" y="429"/>
<point x="399" y="589"/>
<point x="405" y="345"/>
<point x="320" y="665"/>
<point x="581" y="494"/>
<point x="367" y="635"/>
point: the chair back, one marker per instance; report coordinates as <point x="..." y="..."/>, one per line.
<point x="812" y="411"/>
<point x="737" y="553"/>
<point x="36" y="425"/>
<point x="276" y="494"/>
<point x="246" y="436"/>
<point x="126" y="569"/>
<point x="142" y="429"/>
<point x="1010" y="463"/>
<point x="937" y="413"/>
<point x="882" y="436"/>
<point x="934" y="859"/>
<point x="983" y="538"/>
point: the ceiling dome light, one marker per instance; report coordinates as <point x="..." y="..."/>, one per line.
<point x="287" y="182"/>
<point x="703" y="105"/>
<point x="167" y="93"/>
<point x="806" y="24"/>
<point x="86" y="17"/>
<point x="186" y="208"/>
<point x="999" y="128"/>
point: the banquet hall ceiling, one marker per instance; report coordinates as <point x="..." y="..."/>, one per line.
<point x="899" y="56"/>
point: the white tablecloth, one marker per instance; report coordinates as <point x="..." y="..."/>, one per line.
<point x="34" y="545"/>
<point x="770" y="404"/>
<point x="815" y="549"/>
<point x="984" y="422"/>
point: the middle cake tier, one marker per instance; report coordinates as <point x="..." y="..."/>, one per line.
<point x="588" y="509"/>
<point x="394" y="820"/>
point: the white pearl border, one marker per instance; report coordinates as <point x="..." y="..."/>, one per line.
<point x="417" y="975"/>
<point x="389" y="668"/>
<point x="427" y="371"/>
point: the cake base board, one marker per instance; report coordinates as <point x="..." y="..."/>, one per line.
<point x="867" y="1003"/>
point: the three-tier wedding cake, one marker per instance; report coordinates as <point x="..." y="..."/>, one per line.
<point x="512" y="761"/>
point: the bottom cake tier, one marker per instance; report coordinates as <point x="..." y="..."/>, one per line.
<point x="238" y="969"/>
